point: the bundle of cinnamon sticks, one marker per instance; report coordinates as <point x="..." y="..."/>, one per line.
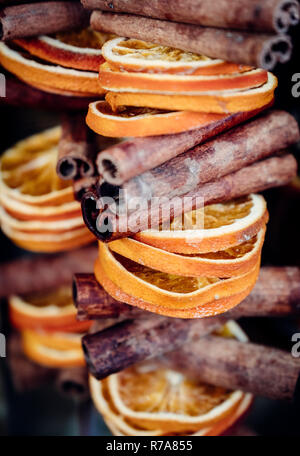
<point x="236" y="31"/>
<point x="138" y="335"/>
<point x="201" y="171"/>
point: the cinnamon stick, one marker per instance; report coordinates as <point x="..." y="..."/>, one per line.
<point x="76" y="149"/>
<point x="73" y="382"/>
<point x="132" y="157"/>
<point x="228" y="152"/>
<point x="83" y="185"/>
<point x="258" y="15"/>
<point x="256" y="49"/>
<point x="132" y="341"/>
<point x="259" y="176"/>
<point x="38" y="273"/>
<point x="276" y="293"/>
<point x="93" y="302"/>
<point x="263" y="371"/>
<point x="41" y="18"/>
<point x="20" y="94"/>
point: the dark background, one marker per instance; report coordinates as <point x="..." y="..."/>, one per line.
<point x="44" y="411"/>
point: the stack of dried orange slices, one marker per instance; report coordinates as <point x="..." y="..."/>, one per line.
<point x="189" y="271"/>
<point x="160" y="80"/>
<point x="65" y="63"/>
<point x="51" y="335"/>
<point x="37" y="209"/>
<point x="152" y="399"/>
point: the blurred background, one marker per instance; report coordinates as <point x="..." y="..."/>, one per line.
<point x="43" y="410"/>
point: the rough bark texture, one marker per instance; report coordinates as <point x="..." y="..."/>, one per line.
<point x="76" y="148"/>
<point x="228" y="152"/>
<point x="276" y="293"/>
<point x="257" y="49"/>
<point x="272" y="172"/>
<point x="92" y="301"/>
<point x="259" y="15"/>
<point x="132" y="341"/>
<point x="132" y="157"/>
<point x="39" y="273"/>
<point x="41" y="18"/>
<point x="260" y="370"/>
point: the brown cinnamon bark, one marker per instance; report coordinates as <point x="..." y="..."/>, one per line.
<point x="20" y="94"/>
<point x="253" y="368"/>
<point x="132" y="341"/>
<point x="41" y="18"/>
<point x="228" y="152"/>
<point x="257" y="49"/>
<point x="276" y="294"/>
<point x="259" y="15"/>
<point x="132" y="157"/>
<point x="76" y="148"/>
<point x="39" y="273"/>
<point x="73" y="382"/>
<point x="83" y="185"/>
<point x="254" y="178"/>
<point x="93" y="302"/>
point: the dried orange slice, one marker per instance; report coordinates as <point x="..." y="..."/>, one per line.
<point x="55" y="340"/>
<point x="51" y="310"/>
<point x="210" y="101"/>
<point x="50" y="357"/>
<point x="173" y="84"/>
<point x="36" y="73"/>
<point x="215" y="307"/>
<point x="27" y="173"/>
<point x="135" y="55"/>
<point x="47" y="242"/>
<point x="143" y="121"/>
<point x="147" y="288"/>
<point x="79" y="49"/>
<point x="231" y="262"/>
<point x="222" y="226"/>
<point x="38" y="210"/>
<point x="152" y="397"/>
<point x="37" y="226"/>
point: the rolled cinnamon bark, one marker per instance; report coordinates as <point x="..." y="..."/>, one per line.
<point x="73" y="382"/>
<point x="132" y="157"/>
<point x="83" y="185"/>
<point x="39" y="273"/>
<point x="259" y="50"/>
<point x="228" y="152"/>
<point x="76" y="148"/>
<point x="132" y="341"/>
<point x="272" y="172"/>
<point x="41" y="18"/>
<point x="253" y="368"/>
<point x="91" y="299"/>
<point x="276" y="294"/>
<point x="258" y="15"/>
<point x="20" y="94"/>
